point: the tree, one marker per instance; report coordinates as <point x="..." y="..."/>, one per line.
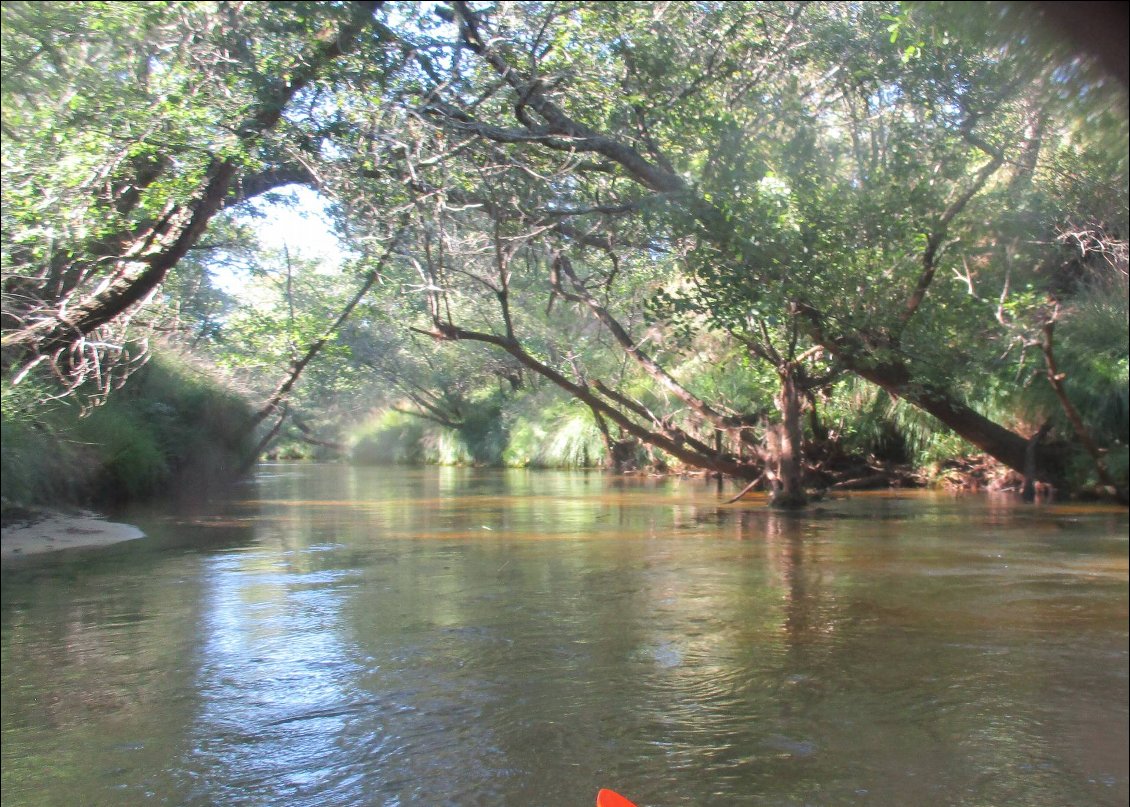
<point x="140" y="120"/>
<point x="821" y="149"/>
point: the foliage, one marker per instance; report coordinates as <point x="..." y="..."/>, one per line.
<point x="531" y="430"/>
<point x="694" y="221"/>
<point x="38" y="463"/>
<point x="125" y="129"/>
<point x="390" y="438"/>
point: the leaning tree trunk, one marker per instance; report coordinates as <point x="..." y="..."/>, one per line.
<point x="620" y="455"/>
<point x="894" y="377"/>
<point x="279" y="396"/>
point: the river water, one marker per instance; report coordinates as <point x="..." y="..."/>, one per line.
<point x="342" y="636"/>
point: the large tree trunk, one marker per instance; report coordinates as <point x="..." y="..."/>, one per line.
<point x="784" y="441"/>
<point x="894" y="377"/>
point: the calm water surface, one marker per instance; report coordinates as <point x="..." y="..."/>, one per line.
<point x="338" y="636"/>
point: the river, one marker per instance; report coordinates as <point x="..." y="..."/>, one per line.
<point x="344" y="636"/>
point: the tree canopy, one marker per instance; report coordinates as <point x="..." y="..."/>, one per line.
<point x="708" y="225"/>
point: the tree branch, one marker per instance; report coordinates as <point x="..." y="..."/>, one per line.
<point x="563" y="266"/>
<point x="937" y="236"/>
<point x="280" y="393"/>
<point x="1055" y="378"/>
<point x="446" y="331"/>
<point x="149" y="256"/>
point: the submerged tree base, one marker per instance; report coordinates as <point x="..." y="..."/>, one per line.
<point x="789" y="501"/>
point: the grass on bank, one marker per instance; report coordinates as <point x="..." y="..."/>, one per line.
<point x="561" y="435"/>
<point x="169" y="429"/>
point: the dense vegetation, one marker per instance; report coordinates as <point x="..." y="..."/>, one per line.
<point x="793" y="243"/>
<point x="170" y="430"/>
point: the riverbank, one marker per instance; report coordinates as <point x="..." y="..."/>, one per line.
<point x="34" y="532"/>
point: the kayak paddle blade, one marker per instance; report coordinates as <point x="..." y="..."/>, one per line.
<point x="610" y="798"/>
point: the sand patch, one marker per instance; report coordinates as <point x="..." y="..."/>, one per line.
<point x="51" y="532"/>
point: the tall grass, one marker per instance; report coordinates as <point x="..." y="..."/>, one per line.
<point x="869" y="422"/>
<point x="559" y="436"/>
<point x="1092" y="345"/>
<point x="396" y="438"/>
<point x="38" y="463"/>
<point x="522" y="432"/>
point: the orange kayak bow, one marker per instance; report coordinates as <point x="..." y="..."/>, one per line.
<point x="610" y="798"/>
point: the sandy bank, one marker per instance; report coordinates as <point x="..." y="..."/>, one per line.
<point x="50" y="532"/>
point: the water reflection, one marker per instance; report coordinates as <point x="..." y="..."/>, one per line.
<point x="449" y="636"/>
<point x="277" y="674"/>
